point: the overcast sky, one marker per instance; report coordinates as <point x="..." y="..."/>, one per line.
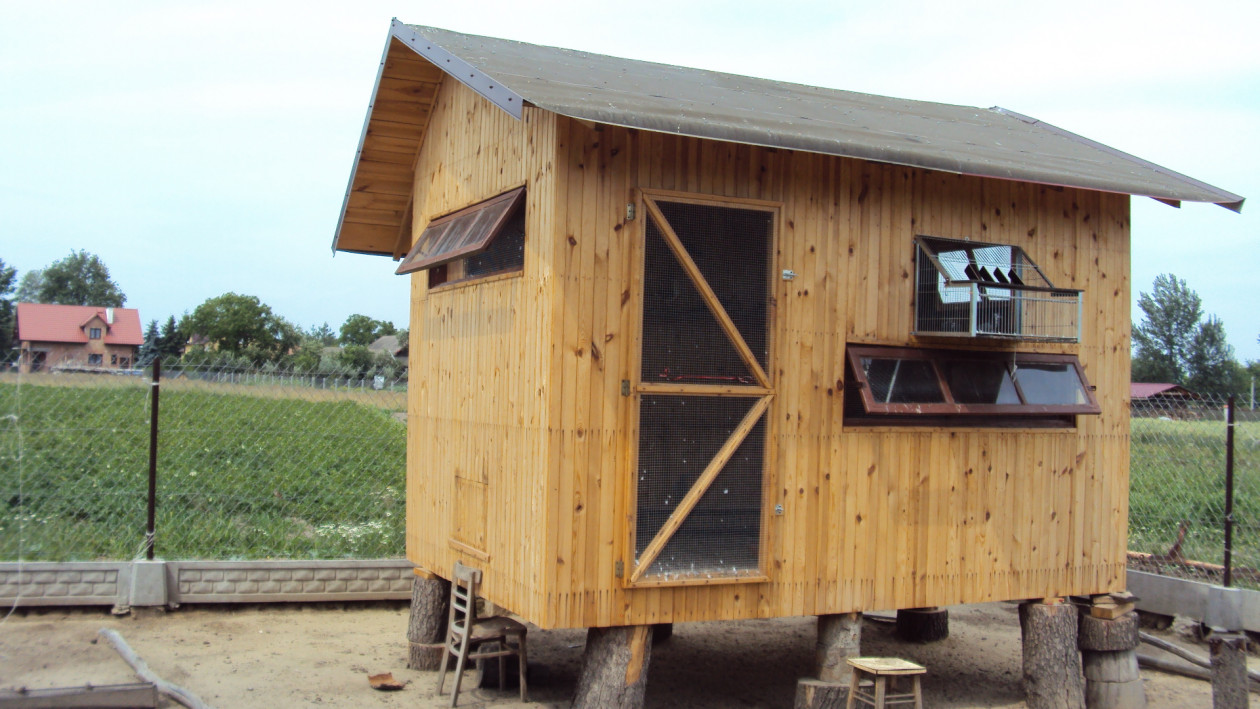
<point x="201" y="148"/>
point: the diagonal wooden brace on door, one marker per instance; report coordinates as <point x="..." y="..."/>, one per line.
<point x="692" y="498"/>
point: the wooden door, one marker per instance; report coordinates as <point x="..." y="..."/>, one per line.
<point x="699" y="492"/>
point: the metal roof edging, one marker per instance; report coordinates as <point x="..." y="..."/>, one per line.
<point x="358" y="153"/>
<point x="1231" y="201"/>
<point x="463" y="72"/>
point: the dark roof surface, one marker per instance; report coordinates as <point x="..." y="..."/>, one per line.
<point x="986" y="142"/>
<point x="989" y="142"/>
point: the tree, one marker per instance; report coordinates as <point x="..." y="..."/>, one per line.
<point x="170" y="344"/>
<point x="362" y="330"/>
<point x="323" y="334"/>
<point x="149" y="349"/>
<point x="242" y="325"/>
<point x="80" y="279"/>
<point x="28" y="287"/>
<point x="1212" y="368"/>
<point x="1173" y="345"/>
<point x="1163" y="341"/>
<point x="8" y="275"/>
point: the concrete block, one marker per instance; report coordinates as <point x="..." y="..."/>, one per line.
<point x="71" y="576"/>
<point x="347" y="574"/>
<point x="247" y="587"/>
<point x="236" y="575"/>
<point x="109" y="588"/>
<point x="212" y="575"/>
<point x="260" y="575"/>
<point x="357" y="586"/>
<point x="303" y="574"/>
<point x="44" y="577"/>
<point x="378" y="585"/>
<point x="291" y="587"/>
<point x="81" y="589"/>
<point x="325" y="574"/>
<point x="52" y="589"/>
<point x="334" y="587"/>
<point x="148" y="583"/>
<point x="269" y="587"/>
<point x="369" y="574"/>
<point x="189" y="575"/>
<point x="223" y="587"/>
<point x="280" y="575"/>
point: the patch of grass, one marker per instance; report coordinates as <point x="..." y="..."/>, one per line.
<point x="239" y="476"/>
<point x="1177" y="472"/>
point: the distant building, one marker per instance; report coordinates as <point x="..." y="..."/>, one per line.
<point x="77" y="337"/>
<point x="1162" y="399"/>
<point x="389" y="344"/>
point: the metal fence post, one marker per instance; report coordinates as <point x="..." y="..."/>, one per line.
<point x="1229" y="491"/>
<point x="155" y="387"/>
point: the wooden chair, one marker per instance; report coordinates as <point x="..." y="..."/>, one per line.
<point x="466" y="633"/>
<point x="875" y="690"/>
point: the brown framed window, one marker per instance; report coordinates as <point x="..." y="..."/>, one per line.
<point x="94" y="333"/>
<point x="95" y="359"/>
<point x="485" y="239"/>
<point x="919" y="386"/>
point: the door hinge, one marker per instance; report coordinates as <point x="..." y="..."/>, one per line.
<point x="619" y="569"/>
<point x="625" y="387"/>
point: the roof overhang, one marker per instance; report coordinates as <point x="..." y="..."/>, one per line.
<point x="376" y="213"/>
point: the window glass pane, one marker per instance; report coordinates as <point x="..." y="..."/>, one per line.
<point x="902" y="381"/>
<point x="1050" y="384"/>
<point x="979" y="382"/>
<point x="506" y="251"/>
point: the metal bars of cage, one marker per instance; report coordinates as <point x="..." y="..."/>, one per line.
<point x="972" y="289"/>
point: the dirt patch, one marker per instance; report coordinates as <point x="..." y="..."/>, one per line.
<point x="285" y="655"/>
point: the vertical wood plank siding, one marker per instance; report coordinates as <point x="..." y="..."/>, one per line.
<point x="518" y="381"/>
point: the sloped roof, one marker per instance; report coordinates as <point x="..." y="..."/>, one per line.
<point x="991" y="142"/>
<point x="1145" y="390"/>
<point x="41" y="322"/>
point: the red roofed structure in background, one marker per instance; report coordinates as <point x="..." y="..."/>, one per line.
<point x="77" y="337"/>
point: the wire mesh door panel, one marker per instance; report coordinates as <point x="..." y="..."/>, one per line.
<point x="703" y="391"/>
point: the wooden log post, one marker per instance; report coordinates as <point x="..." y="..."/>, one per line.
<point x="614" y="668"/>
<point x="923" y="625"/>
<point x="1052" y="663"/>
<point x="1229" y="671"/>
<point x="426" y="627"/>
<point x="1109" y="654"/>
<point x="839" y="638"/>
<point x="818" y="694"/>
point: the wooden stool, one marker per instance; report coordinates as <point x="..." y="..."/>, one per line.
<point x="880" y="670"/>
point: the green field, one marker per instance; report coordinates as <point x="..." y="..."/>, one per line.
<point x="258" y="475"/>
<point x="1177" y="473"/>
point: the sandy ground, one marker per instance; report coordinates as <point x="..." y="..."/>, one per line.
<point x="296" y="656"/>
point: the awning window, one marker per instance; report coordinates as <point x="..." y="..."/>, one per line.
<point x="467" y="232"/>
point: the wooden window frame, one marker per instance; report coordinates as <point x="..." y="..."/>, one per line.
<point x="949" y="409"/>
<point x="472" y="243"/>
<point x="94" y="333"/>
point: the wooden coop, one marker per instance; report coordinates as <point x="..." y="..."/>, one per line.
<point x="691" y="346"/>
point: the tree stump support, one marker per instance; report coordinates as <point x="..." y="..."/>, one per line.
<point x="1109" y="654"/>
<point x="1229" y="671"/>
<point x="818" y="694"/>
<point x="923" y="625"/>
<point x="1052" y="663"/>
<point x="614" y="668"/>
<point x="426" y="627"/>
<point x="839" y="638"/>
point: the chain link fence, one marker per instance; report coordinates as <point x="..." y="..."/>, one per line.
<point x="251" y="464"/>
<point x="1180" y="453"/>
<point x="262" y="464"/>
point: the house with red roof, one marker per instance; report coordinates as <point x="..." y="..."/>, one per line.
<point x="1161" y="399"/>
<point x="77" y="337"/>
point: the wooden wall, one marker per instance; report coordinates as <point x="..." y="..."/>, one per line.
<point x="516" y="398"/>
<point x="873" y="518"/>
<point x="476" y="405"/>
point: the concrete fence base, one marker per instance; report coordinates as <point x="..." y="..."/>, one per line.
<point x="124" y="584"/>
